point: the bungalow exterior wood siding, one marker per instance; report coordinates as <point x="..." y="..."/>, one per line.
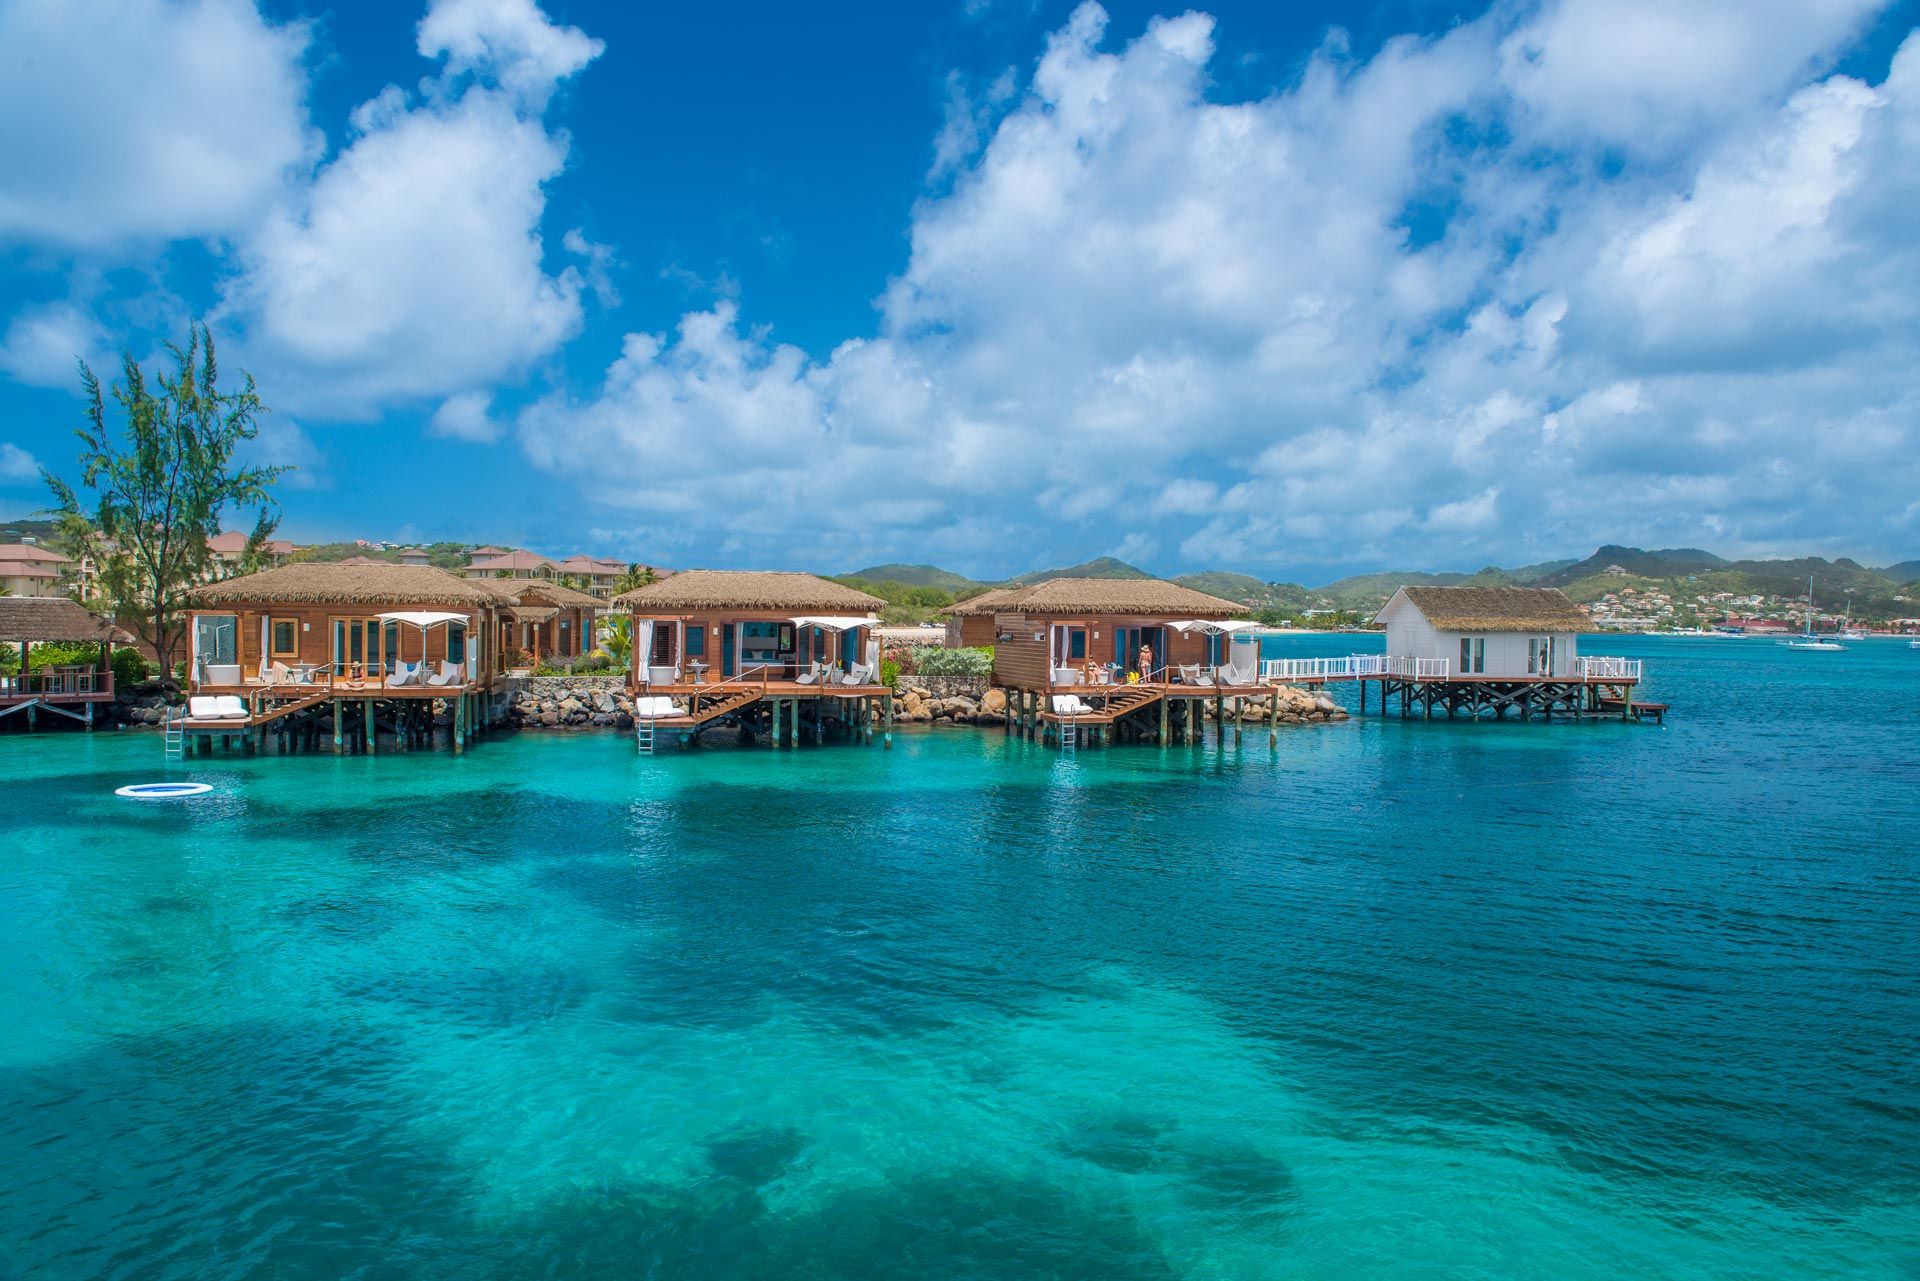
<point x="1500" y="633"/>
<point x="730" y="621"/>
<point x="327" y="615"/>
<point x="543" y="618"/>
<point x="971" y="623"/>
<point x="1073" y="621"/>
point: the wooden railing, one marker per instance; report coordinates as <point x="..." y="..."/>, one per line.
<point x="57" y="682"/>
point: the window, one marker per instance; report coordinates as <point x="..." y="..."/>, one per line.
<point x="216" y="638"/>
<point x="1473" y="655"/>
<point x="286" y="638"/>
<point x="1466" y="655"/>
<point x="1077" y="642"/>
<point x="696" y="641"/>
<point x="565" y="632"/>
<point x="456" y="642"/>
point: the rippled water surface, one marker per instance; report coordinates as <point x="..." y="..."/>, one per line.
<point x="1395" y="1000"/>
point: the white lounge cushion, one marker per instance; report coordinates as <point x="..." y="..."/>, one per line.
<point x="204" y="707"/>
<point x="228" y="707"/>
<point x="1069" y="705"/>
<point x="654" y="707"/>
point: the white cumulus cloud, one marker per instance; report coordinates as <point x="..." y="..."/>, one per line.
<point x="145" y="120"/>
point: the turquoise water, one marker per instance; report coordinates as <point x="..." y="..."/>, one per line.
<point x="1398" y="1000"/>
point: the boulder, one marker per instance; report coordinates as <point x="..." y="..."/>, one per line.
<point x="994" y="703"/>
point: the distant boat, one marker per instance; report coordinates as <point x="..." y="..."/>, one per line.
<point x="1806" y="639"/>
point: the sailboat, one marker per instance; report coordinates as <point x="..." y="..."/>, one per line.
<point x="1806" y="639"/>
<point x="1847" y="629"/>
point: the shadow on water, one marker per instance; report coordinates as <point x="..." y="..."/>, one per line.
<point x="282" y="1151"/>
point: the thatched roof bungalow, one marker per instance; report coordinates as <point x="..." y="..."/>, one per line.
<point x="727" y="624"/>
<point x="343" y="620"/>
<point x="1067" y="632"/>
<point x="68" y="689"/>
<point x="542" y="618"/>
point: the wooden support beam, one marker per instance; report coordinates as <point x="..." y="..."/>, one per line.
<point x="459" y="724"/>
<point x="366" y="709"/>
<point x="337" y="716"/>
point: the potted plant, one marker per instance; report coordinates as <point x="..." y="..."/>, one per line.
<point x="519" y="663"/>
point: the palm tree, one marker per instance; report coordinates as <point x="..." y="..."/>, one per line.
<point x="637" y="575"/>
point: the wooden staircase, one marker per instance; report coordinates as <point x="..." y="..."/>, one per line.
<point x="1130" y="700"/>
<point x="288" y="709"/>
<point x="722" y="706"/>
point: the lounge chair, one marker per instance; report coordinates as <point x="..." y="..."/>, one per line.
<point x="404" y="674"/>
<point x="813" y="675"/>
<point x="449" y="674"/>
<point x="231" y="707"/>
<point x="654" y="707"/>
<point x="1242" y="673"/>
<point x="1070" y="705"/>
<point x="856" y="675"/>
<point x="202" y="707"/>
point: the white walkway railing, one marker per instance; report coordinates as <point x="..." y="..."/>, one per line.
<point x="1608" y="669"/>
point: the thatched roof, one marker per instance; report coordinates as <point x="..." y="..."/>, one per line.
<point x="984" y="603"/>
<point x="374" y="582"/>
<point x="704" y="589"/>
<point x="1498" y="609"/>
<point x="53" y="618"/>
<point x="1152" y="597"/>
<point x="527" y="590"/>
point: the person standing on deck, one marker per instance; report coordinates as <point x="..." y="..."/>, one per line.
<point x="1146" y="662"/>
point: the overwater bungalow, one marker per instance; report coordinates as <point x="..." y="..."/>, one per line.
<point x="72" y="690"/>
<point x="542" y="619"/>
<point x="970" y="623"/>
<point x="782" y="654"/>
<point x="1488" y="651"/>
<point x="371" y="642"/>
<point x="1124" y="656"/>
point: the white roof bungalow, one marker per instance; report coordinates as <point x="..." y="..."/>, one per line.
<point x="1495" y="633"/>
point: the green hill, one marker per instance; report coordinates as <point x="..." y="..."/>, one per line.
<point x="917" y="576"/>
<point x="1100" y="567"/>
<point x="1654" y="564"/>
<point x="1226" y="585"/>
<point x="1906" y="571"/>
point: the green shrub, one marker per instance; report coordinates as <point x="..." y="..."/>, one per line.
<point x="889" y="672"/>
<point x="63" y="654"/>
<point x="130" y="667"/>
<point x="937" y="660"/>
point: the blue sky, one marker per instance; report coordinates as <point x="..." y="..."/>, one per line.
<point x="1294" y="290"/>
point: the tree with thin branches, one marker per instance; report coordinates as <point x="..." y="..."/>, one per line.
<point x="159" y="479"/>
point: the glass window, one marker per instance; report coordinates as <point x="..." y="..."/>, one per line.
<point x="696" y="641"/>
<point x="456" y="642"/>
<point x="1533" y="655"/>
<point x="1466" y="655"/>
<point x="1077" y="643"/>
<point x="216" y="638"/>
<point x="286" y="638"/>
<point x="1479" y="654"/>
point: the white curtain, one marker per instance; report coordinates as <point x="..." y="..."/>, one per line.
<point x="266" y="639"/>
<point x="642" y="654"/>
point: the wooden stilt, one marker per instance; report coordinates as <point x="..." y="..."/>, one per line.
<point x="1273" y="718"/>
<point x="366" y="710"/>
<point x="459" y="734"/>
<point x="337" y="714"/>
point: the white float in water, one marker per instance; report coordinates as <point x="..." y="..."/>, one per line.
<point x="162" y="791"/>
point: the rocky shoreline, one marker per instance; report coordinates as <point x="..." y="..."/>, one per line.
<point x="602" y="702"/>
